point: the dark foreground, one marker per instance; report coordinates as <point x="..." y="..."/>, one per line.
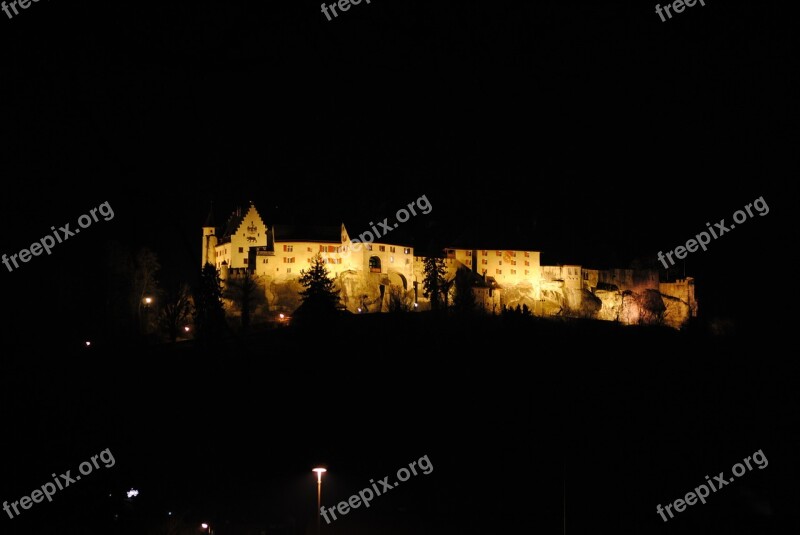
<point x="520" y="420"/>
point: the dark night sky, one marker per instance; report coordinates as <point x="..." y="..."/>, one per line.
<point x="596" y="132"/>
<point x="628" y="133"/>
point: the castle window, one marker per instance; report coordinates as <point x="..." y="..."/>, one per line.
<point x="498" y="271"/>
<point x="513" y="271"/>
<point x="245" y="261"/>
<point x="309" y="249"/>
<point x="499" y="253"/>
<point x="484" y="253"/>
<point x="288" y="270"/>
<point x="527" y="254"/>
<point x="374" y="264"/>
<point x="527" y="262"/>
<point x="391" y="250"/>
<point x="407" y="250"/>
<point x="241" y="249"/>
<point x="513" y="262"/>
<point x="382" y="248"/>
<point x="499" y="262"/>
<point x="265" y="261"/>
<point x="288" y="248"/>
<point x="484" y="261"/>
<point x="469" y="253"/>
<point x="369" y="247"/>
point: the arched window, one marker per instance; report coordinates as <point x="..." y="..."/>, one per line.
<point x="374" y="264"/>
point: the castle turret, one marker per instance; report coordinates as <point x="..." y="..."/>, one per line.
<point x="209" y="239"/>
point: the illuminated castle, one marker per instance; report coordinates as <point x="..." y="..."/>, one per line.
<point x="369" y="274"/>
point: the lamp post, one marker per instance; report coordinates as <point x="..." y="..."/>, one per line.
<point x="319" y="472"/>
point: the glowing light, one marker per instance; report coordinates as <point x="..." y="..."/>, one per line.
<point x="204" y="525"/>
<point x="132" y="493"/>
<point x="186" y="328"/>
<point x="359" y="309"/>
<point x="281" y="315"/>
<point x="88" y="343"/>
<point x="416" y="305"/>
<point x="148" y="300"/>
<point x="319" y="472"/>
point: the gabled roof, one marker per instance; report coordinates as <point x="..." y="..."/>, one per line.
<point x="233" y="223"/>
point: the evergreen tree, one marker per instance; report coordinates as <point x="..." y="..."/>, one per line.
<point x="209" y="312"/>
<point x="319" y="295"/>
<point x="464" y="300"/>
<point x="433" y="281"/>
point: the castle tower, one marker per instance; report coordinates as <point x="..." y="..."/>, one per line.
<point x="209" y="239"/>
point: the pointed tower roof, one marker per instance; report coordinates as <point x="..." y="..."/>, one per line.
<point x="210" y="219"/>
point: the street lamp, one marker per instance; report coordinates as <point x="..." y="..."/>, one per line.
<point x="206" y="526"/>
<point x="319" y="472"/>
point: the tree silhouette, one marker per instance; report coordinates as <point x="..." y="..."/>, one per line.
<point x="175" y="311"/>
<point x="247" y="294"/>
<point x="146" y="266"/>
<point x="320" y="295"/>
<point x="399" y="299"/>
<point x="433" y="280"/>
<point x="464" y="300"/>
<point x="209" y="313"/>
